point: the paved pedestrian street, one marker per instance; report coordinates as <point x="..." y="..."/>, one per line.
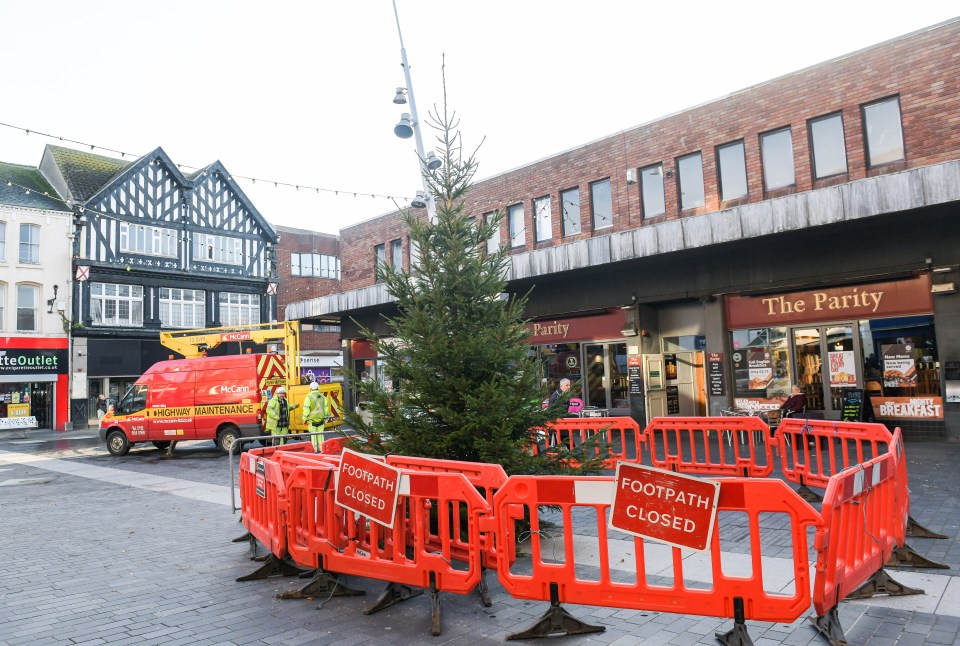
<point x="138" y="550"/>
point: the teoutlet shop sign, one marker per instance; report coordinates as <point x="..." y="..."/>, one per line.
<point x="16" y="361"/>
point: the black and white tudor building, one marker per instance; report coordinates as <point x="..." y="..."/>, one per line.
<point x="154" y="249"/>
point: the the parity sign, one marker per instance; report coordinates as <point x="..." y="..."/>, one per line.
<point x="673" y="508"/>
<point x="870" y="300"/>
<point x="368" y="487"/>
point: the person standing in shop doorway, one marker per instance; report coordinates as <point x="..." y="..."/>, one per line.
<point x="101" y="406"/>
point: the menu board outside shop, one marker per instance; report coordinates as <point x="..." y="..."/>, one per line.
<point x="715" y="378"/>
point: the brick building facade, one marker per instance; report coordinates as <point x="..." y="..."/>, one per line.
<point x="308" y="265"/>
<point x="827" y="180"/>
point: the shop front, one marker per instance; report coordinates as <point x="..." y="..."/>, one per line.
<point x="33" y="382"/>
<point x="592" y="352"/>
<point x="879" y="337"/>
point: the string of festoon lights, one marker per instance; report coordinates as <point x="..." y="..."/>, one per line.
<point x="254" y="180"/>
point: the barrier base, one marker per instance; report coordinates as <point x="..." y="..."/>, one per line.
<point x="916" y="529"/>
<point x="321" y="585"/>
<point x="483" y="590"/>
<point x="395" y="593"/>
<point x="882" y="583"/>
<point x="241" y="539"/>
<point x="809" y="494"/>
<point x="906" y="557"/>
<point x="829" y="626"/>
<point x="273" y="566"/>
<point x="738" y="636"/>
<point x="555" y="621"/>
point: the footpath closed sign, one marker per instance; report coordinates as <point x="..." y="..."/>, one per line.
<point x="673" y="508"/>
<point x="368" y="487"/>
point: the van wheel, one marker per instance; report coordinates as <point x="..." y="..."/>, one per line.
<point x="227" y="436"/>
<point x="117" y="443"/>
<point x="161" y="444"/>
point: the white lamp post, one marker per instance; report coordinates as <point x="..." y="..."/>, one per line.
<point x="410" y="126"/>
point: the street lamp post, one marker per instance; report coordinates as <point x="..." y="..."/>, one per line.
<point x="406" y="127"/>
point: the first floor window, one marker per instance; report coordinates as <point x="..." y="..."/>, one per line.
<point x="116" y="305"/>
<point x="733" y="171"/>
<point x="518" y="232"/>
<point x="777" y="150"/>
<point x="27" y="299"/>
<point x="144" y="239"/>
<point x="601" y="201"/>
<point x="396" y="255"/>
<point x="379" y="260"/>
<point x="30" y="244"/>
<point x="183" y="308"/>
<point x="3" y="304"/>
<point x="884" y="131"/>
<point x="493" y="242"/>
<point x="541" y="212"/>
<point x="570" y="208"/>
<point x="651" y="188"/>
<point x="239" y="309"/>
<point x="222" y="249"/>
<point x="826" y="140"/>
<point x="690" y="171"/>
<point x="315" y="264"/>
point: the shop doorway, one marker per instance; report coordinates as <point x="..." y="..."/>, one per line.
<point x="675" y="384"/>
<point x="605" y="374"/>
<point x="41" y="403"/>
<point x="827" y="360"/>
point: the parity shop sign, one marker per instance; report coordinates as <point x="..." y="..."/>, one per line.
<point x="673" y="508"/>
<point x="16" y="361"/>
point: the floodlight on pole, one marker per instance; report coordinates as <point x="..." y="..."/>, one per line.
<point x="413" y="122"/>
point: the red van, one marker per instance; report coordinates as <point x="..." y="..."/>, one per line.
<point x="212" y="398"/>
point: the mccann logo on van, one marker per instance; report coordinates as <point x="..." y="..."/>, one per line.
<point x="227" y="389"/>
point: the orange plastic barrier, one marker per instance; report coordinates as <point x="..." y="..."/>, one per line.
<point x="487" y="478"/>
<point x="698" y="445"/>
<point x="858" y="533"/>
<point x="835" y="446"/>
<point x="262" y="488"/>
<point x="435" y="541"/>
<point x="621" y="578"/>
<point x="622" y="435"/>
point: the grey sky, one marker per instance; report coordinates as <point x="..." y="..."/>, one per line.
<point x="300" y="92"/>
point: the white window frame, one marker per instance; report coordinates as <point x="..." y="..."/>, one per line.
<point x="321" y="265"/>
<point x="571" y="227"/>
<point x="3" y="241"/>
<point x="543" y="218"/>
<point x="146" y="240"/>
<point x="651" y="178"/>
<point x="224" y="250"/>
<point x="518" y="231"/>
<point x="122" y="297"/>
<point x="239" y="309"/>
<point x="3" y="305"/>
<point x="493" y="242"/>
<point x="33" y="309"/>
<point x="183" y="308"/>
<point x="597" y="216"/>
<point x="32" y="246"/>
<point x="396" y="254"/>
